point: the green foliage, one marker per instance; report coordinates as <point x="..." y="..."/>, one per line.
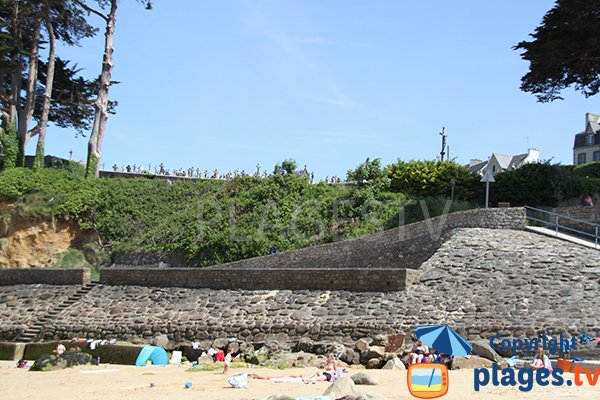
<point x="285" y="167"/>
<point x="369" y="173"/>
<point x="10" y="146"/>
<point x="209" y="222"/>
<point x="541" y="184"/>
<point x="591" y="170"/>
<point x="564" y="51"/>
<point x="433" y="178"/>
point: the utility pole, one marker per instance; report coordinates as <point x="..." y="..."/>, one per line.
<point x="443" y="135"/>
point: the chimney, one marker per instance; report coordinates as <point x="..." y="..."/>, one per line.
<point x="533" y="155"/>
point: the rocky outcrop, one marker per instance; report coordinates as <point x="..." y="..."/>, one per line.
<point x="36" y="241"/>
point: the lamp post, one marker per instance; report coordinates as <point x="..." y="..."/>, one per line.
<point x="487" y="178"/>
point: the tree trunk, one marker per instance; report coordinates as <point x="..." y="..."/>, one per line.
<point x="16" y="65"/>
<point x="101" y="115"/>
<point x="25" y="115"/>
<point x="43" y="123"/>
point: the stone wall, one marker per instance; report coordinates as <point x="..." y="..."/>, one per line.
<point x="587" y="214"/>
<point x="54" y="276"/>
<point x="481" y="282"/>
<point x="23" y="305"/>
<point x="405" y="247"/>
<point x="364" y="280"/>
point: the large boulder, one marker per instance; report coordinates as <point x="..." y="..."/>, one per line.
<point x="366" y="396"/>
<point x="471" y="363"/>
<point x="394" y="363"/>
<point x="68" y="359"/>
<point x="220" y="343"/>
<point x="361" y="378"/>
<point x="349" y="356"/>
<point x="483" y="349"/>
<point x="161" y="341"/>
<point x="205" y="359"/>
<point x="340" y="388"/>
<point x="374" y="363"/>
<point x="363" y="344"/>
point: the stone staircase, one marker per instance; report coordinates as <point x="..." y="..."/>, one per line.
<point x="35" y="331"/>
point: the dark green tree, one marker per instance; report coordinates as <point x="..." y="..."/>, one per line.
<point x="565" y="51"/>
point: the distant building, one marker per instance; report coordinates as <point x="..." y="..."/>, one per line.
<point x="587" y="143"/>
<point x="502" y="162"/>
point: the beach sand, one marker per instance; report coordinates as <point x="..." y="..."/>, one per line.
<point x="133" y="383"/>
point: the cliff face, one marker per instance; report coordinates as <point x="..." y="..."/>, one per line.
<point x="27" y="242"/>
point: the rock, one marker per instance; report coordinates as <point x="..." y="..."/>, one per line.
<point x="471" y="363"/>
<point x="340" y="388"/>
<point x="363" y="344"/>
<point x="305" y="344"/>
<point x="161" y="341"/>
<point x="366" y="396"/>
<point x="394" y="363"/>
<point x="349" y="356"/>
<point x="375" y="351"/>
<point x="374" y="363"/>
<point x="483" y="349"/>
<point x="280" y="397"/>
<point x="361" y="378"/>
<point x="205" y="359"/>
<point x="68" y="359"/>
<point x="220" y="343"/>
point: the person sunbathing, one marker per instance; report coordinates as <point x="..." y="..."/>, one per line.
<point x="419" y="353"/>
<point x="541" y="360"/>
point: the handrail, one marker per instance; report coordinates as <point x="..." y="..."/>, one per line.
<point x="557" y="225"/>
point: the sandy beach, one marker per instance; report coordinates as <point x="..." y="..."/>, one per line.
<point x="120" y="382"/>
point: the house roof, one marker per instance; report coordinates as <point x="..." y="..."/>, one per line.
<point x="591" y="128"/>
<point x="503" y="160"/>
<point x="477" y="168"/>
<point x="517" y="160"/>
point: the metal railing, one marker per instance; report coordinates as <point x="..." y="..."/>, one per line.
<point x="553" y="220"/>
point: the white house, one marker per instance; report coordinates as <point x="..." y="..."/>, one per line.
<point x="502" y="162"/>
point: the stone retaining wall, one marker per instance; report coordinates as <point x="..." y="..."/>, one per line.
<point x="481" y="282"/>
<point x="588" y="214"/>
<point x="366" y="280"/>
<point x="54" y="276"/>
<point x="23" y="305"/>
<point x="405" y="247"/>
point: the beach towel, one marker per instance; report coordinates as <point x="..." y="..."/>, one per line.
<point x="239" y="381"/>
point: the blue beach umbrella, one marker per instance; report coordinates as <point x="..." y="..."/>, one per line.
<point x="444" y="339"/>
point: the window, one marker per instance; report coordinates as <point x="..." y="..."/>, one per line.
<point x="596" y="156"/>
<point x="589" y="140"/>
<point x="581" y="158"/>
<point x="493" y="168"/>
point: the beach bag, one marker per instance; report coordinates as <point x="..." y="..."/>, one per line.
<point x="239" y="381"/>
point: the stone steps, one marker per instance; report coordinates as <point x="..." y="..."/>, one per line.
<point x="34" y="331"/>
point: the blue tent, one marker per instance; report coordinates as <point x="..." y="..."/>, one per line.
<point x="157" y="355"/>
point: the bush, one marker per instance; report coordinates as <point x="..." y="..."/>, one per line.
<point x="433" y="178"/>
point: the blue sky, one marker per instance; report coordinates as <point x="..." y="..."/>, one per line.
<point x="231" y="83"/>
